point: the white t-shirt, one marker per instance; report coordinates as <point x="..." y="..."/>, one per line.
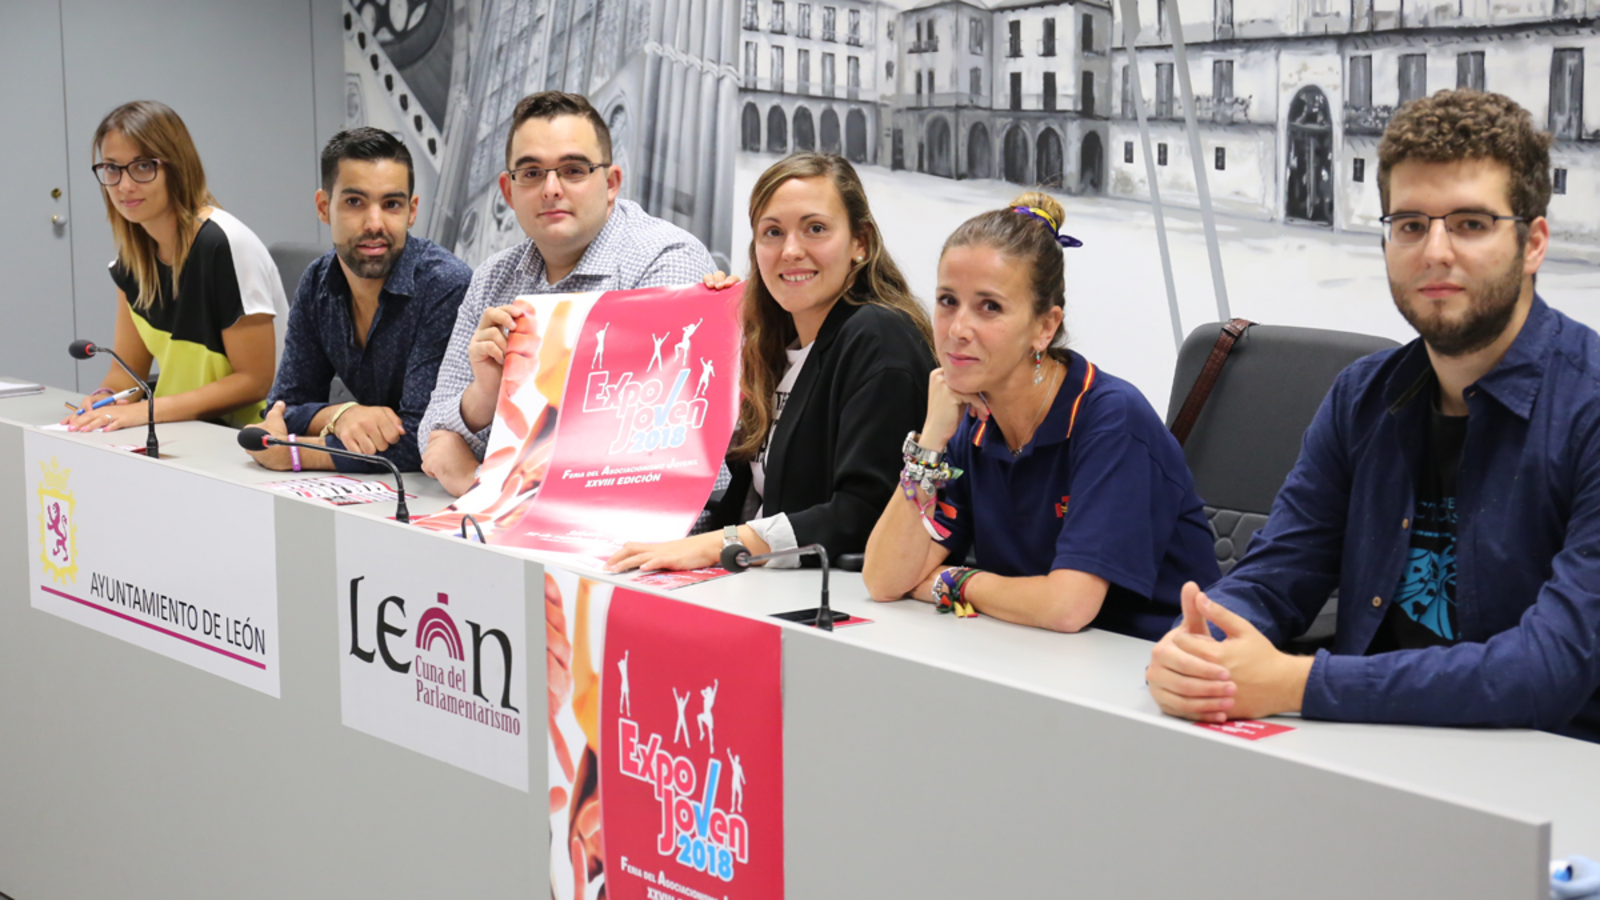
<point x="780" y="399"/>
<point x="775" y="529"/>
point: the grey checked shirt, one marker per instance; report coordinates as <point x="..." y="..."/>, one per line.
<point x="633" y="250"/>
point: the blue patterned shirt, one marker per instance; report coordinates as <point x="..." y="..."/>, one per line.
<point x="405" y="343"/>
<point x="633" y="250"/>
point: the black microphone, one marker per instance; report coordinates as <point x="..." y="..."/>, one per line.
<point x="86" y="349"/>
<point x="735" y="558"/>
<point x="254" y="438"/>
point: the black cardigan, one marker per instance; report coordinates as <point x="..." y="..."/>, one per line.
<point x="835" y="457"/>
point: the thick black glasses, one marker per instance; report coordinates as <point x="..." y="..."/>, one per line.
<point x="141" y="170"/>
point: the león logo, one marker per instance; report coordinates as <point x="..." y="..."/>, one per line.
<point x="445" y="678"/>
<point x="58" y="528"/>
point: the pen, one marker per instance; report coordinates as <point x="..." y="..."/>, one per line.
<point x="120" y="395"/>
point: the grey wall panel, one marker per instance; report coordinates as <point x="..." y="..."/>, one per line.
<point x="241" y="76"/>
<point x="35" y="255"/>
<point x="327" y="90"/>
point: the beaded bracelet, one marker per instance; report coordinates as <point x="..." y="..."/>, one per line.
<point x="294" y="453"/>
<point x="950" y="591"/>
<point x="931" y="479"/>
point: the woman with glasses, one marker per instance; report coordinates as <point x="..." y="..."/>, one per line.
<point x="833" y="374"/>
<point x="196" y="289"/>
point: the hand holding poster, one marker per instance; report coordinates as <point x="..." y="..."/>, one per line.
<point x="601" y="411"/>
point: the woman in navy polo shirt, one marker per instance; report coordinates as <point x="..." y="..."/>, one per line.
<point x="1063" y="480"/>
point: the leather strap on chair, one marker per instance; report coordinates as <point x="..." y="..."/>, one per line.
<point x="1196" y="401"/>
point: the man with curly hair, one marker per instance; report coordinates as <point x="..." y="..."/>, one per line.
<point x="1449" y="489"/>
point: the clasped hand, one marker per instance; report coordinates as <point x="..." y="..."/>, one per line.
<point x="1193" y="675"/>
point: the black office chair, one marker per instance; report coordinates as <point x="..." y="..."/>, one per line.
<point x="1247" y="437"/>
<point x="292" y="259"/>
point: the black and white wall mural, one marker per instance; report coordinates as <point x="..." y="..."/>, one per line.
<point x="947" y="107"/>
<point x="446" y="74"/>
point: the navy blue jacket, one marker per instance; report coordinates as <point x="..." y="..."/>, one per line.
<point x="1527" y="540"/>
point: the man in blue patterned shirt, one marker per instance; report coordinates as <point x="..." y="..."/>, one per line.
<point x="563" y="186"/>
<point x="376" y="311"/>
<point x="1450" y="488"/>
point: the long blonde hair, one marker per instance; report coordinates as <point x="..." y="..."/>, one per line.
<point x="159" y="134"/>
<point x="768" y="329"/>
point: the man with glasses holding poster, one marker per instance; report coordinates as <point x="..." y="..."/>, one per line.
<point x="563" y="187"/>
<point x="1449" y="489"/>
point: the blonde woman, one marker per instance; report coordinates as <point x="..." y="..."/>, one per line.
<point x="208" y="328"/>
<point x="834" y="373"/>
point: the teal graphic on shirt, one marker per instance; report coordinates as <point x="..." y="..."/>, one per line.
<point x="1427" y="592"/>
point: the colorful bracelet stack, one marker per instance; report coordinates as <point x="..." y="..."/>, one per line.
<point x="909" y="482"/>
<point x="950" y="591"/>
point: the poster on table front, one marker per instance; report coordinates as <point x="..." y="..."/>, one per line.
<point x="666" y="747"/>
<point x="623" y="400"/>
<point x="112" y="550"/>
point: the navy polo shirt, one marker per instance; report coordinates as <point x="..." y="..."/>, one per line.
<point x="1102" y="488"/>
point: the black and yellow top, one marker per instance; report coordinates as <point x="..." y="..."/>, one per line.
<point x="228" y="274"/>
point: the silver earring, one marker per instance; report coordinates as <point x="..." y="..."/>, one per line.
<point x="1038" y="374"/>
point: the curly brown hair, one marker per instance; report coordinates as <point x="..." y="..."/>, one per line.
<point x="1468" y="124"/>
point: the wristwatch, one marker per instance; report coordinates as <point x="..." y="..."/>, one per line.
<point x="915" y="452"/>
<point x="730" y="536"/>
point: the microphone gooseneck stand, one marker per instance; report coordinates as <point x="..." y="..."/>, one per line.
<point x="735" y="558"/>
<point x="254" y="438"/>
<point x="86" y="349"/>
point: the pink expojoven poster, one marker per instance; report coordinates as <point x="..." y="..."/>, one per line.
<point x="617" y="401"/>
<point x="665" y="747"/>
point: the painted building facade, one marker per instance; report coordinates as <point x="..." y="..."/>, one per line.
<point x="1290" y="108"/>
<point x="662" y="73"/>
<point x="810" y="78"/>
<point x="1019" y="90"/>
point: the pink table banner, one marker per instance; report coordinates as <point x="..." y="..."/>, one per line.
<point x="665" y="747"/>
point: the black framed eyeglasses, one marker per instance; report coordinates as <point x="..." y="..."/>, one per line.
<point x="142" y="171"/>
<point x="1413" y="228"/>
<point x="569" y="172"/>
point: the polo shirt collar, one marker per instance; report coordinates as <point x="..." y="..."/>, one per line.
<point x="1057" y="422"/>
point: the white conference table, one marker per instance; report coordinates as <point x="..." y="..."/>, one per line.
<point x="924" y="756"/>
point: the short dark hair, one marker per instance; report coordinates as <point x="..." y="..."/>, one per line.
<point x="1467" y="124"/>
<point x="551" y="104"/>
<point x="368" y="145"/>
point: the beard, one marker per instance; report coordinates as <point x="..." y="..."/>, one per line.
<point x="369" y="266"/>
<point x="1492" y="304"/>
